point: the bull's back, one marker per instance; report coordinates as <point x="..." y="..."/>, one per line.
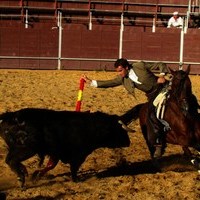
<point x="70" y="129"/>
<point x="88" y="129"/>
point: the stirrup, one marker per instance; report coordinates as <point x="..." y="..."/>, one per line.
<point x="166" y="125"/>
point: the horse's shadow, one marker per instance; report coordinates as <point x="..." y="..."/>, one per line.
<point x="176" y="162"/>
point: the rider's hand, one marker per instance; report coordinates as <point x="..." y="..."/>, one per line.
<point x="161" y="79"/>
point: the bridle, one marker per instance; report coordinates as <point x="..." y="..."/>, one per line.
<point x="181" y="90"/>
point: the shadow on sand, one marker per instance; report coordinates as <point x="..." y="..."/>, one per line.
<point x="177" y="163"/>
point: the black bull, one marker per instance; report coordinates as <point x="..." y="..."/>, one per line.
<point x="63" y="135"/>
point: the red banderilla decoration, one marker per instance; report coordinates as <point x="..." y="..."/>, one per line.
<point x="80" y="95"/>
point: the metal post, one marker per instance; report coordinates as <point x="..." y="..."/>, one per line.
<point x="90" y="21"/>
<point x="89" y="15"/>
<point x="121" y="35"/>
<point x="155" y="18"/>
<point x="26" y="21"/>
<point x="199" y="5"/>
<point x="59" y="23"/>
<point x="193" y="6"/>
<point x="181" y="48"/>
<point x="188" y="16"/>
<point x="154" y="25"/>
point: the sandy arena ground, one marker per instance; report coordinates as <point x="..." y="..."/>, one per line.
<point x="102" y="178"/>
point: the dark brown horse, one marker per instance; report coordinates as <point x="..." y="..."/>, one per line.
<point x="181" y="113"/>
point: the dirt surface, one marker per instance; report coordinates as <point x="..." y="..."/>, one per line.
<point x="102" y="176"/>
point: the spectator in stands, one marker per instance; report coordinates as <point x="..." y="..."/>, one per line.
<point x="175" y="21"/>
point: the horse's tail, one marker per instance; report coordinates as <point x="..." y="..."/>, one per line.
<point x="132" y="114"/>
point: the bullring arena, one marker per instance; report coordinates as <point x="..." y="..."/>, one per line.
<point x="45" y="47"/>
<point x="101" y="177"/>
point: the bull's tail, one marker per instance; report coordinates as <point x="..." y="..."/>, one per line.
<point x="132" y="114"/>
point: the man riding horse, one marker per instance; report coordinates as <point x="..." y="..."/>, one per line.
<point x="180" y="112"/>
<point x="139" y="75"/>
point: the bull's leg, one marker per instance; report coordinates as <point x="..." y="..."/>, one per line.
<point x="74" y="167"/>
<point x="17" y="168"/>
<point x="75" y="164"/>
<point x="50" y="165"/>
<point x="41" y="159"/>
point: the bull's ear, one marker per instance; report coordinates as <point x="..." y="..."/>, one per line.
<point x="188" y="70"/>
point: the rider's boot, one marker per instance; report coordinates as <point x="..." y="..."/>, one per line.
<point x="157" y="130"/>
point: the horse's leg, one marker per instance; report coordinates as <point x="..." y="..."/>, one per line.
<point x="150" y="139"/>
<point x="50" y="165"/>
<point x="197" y="147"/>
<point x="155" y="147"/>
<point x="194" y="160"/>
<point x="147" y="139"/>
<point x="196" y="163"/>
<point x="187" y="151"/>
<point x="155" y="133"/>
<point x="151" y="147"/>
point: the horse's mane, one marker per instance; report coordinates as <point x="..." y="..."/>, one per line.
<point x="181" y="92"/>
<point x="181" y="84"/>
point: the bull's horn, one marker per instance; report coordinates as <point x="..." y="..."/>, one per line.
<point x="125" y="127"/>
<point x="1" y="121"/>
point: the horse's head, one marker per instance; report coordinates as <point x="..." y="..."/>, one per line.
<point x="181" y="88"/>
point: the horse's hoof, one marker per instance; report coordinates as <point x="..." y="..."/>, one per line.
<point x="196" y="163"/>
<point x="158" y="152"/>
<point x="23" y="188"/>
